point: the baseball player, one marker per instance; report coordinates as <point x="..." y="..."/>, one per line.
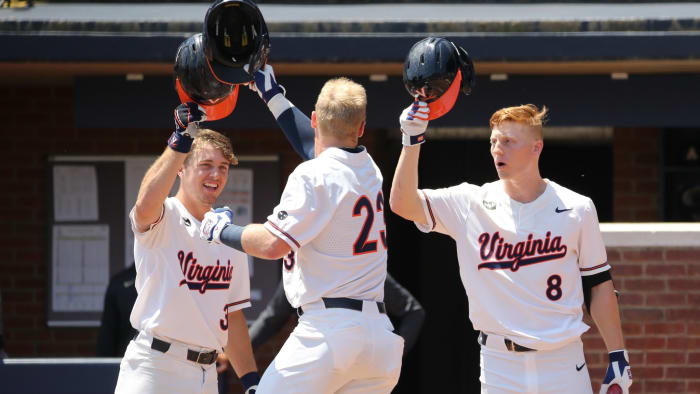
<point x="330" y="230"/>
<point x="530" y="252"/>
<point x="190" y="293"/>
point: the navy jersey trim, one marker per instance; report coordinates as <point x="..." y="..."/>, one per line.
<point x="430" y="210"/>
<point x="237" y="303"/>
<point x="285" y="234"/>
<point x="595" y="268"/>
<point x="357" y="149"/>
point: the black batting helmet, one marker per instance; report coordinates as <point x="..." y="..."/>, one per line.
<point x="195" y="82"/>
<point x="236" y="40"/>
<point x="435" y="71"/>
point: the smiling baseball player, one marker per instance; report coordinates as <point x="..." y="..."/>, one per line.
<point x="190" y="294"/>
<point x="530" y="252"/>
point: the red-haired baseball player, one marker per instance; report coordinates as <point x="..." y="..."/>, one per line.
<point x="530" y="252"/>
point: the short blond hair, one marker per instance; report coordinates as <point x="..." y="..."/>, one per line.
<point x="215" y="139"/>
<point x="527" y="114"/>
<point x="341" y="106"/>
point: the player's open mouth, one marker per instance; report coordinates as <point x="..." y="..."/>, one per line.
<point x="211" y="186"/>
<point x="500" y="164"/>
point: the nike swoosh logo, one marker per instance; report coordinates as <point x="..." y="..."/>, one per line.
<point x="557" y="210"/>
<point x="581" y="367"/>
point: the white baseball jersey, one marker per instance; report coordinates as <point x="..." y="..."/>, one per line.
<point x="521" y="264"/>
<point x="331" y="215"/>
<point x="185" y="285"/>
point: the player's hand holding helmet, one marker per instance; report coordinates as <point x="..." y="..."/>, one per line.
<point x="187" y="117"/>
<point x="618" y="376"/>
<point x="265" y="84"/>
<point x="214" y="223"/>
<point x="414" y="122"/>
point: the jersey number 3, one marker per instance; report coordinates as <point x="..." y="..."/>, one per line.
<point x="362" y="245"/>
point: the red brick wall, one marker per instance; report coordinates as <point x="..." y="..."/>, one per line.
<point x="660" y="294"/>
<point x="636" y="176"/>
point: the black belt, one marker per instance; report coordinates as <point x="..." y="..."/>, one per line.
<point x="192" y="355"/>
<point x="346" y="303"/>
<point x="510" y="345"/>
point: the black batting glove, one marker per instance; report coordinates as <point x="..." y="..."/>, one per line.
<point x="187" y="117"/>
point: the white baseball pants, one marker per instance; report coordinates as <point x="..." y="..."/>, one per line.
<point x="337" y="350"/>
<point x="147" y="371"/>
<point x="558" y="371"/>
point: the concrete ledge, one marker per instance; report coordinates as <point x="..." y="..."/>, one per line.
<point x="651" y="234"/>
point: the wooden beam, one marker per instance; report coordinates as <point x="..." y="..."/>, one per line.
<point x="34" y="70"/>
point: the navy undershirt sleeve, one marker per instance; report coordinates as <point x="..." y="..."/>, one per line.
<point x="297" y="128"/>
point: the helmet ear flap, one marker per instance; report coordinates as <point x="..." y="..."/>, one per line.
<point x="466" y="66"/>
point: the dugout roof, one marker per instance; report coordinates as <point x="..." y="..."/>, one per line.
<point x="572" y="38"/>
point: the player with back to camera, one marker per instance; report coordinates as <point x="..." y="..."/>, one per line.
<point x="530" y="251"/>
<point x="329" y="228"/>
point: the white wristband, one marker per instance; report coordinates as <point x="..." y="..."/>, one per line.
<point x="278" y="104"/>
<point x="410" y="140"/>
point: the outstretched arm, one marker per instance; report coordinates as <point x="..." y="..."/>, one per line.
<point x="253" y="239"/>
<point x="295" y="125"/>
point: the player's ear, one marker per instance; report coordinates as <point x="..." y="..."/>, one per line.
<point x="537" y="146"/>
<point x="313" y="119"/>
<point x="361" y="132"/>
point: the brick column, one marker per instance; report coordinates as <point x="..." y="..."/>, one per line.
<point x="636" y="175"/>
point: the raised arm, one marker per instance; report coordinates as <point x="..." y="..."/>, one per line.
<point x="295" y="125"/>
<point x="159" y="179"/>
<point x="404" y="199"/>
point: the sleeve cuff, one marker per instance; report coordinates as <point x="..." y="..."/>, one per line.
<point x="428" y="211"/>
<point x="278" y="104"/>
<point x="283" y="235"/>
<point x="588" y="271"/>
<point x="238" y="305"/>
<point x="136" y="231"/>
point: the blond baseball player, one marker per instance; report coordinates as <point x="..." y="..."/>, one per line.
<point x="190" y="294"/>
<point x="530" y="252"/>
<point x="329" y="227"/>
